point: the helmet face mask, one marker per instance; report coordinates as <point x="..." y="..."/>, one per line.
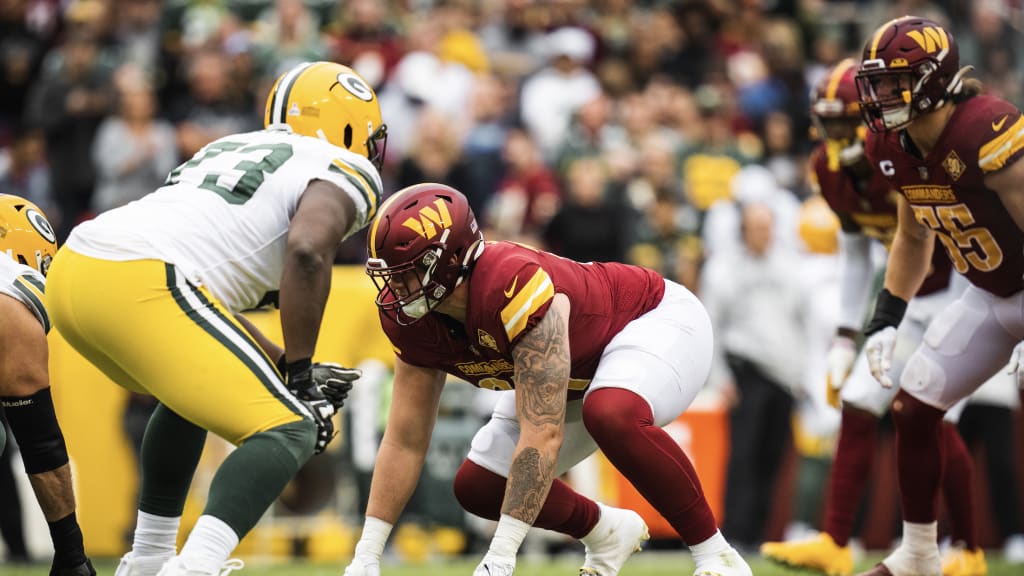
<point x="332" y="102"/>
<point x="25" y="233"/>
<point x="835" y="111"/>
<point x="422" y="245"/>
<point x="911" y="66"/>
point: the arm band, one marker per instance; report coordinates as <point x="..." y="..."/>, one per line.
<point x="889" y="311"/>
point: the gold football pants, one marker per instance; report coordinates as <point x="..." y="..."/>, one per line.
<point x="152" y="331"/>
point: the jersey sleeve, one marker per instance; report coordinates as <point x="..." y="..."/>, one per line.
<point x="357" y="176"/>
<point x="30" y="288"/>
<point x="1001" y="138"/>
<point x="522" y="298"/>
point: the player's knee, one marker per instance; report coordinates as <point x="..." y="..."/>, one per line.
<point x="298" y="438"/>
<point x="611" y="413"/>
<point x="34" y="425"/>
<point x="909" y="413"/>
<point x="478" y="490"/>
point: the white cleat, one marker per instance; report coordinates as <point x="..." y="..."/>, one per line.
<point x="726" y="563"/>
<point x="175" y="567"/>
<point x="618" y="534"/>
<point x="132" y="565"/>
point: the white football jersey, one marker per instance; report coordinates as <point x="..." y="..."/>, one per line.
<point x="222" y="217"/>
<point x="25" y="285"/>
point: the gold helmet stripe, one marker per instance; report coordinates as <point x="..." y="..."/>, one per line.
<point x="881" y="31"/>
<point x="380" y="214"/>
<point x="837" y="75"/>
<point x="279" y="105"/>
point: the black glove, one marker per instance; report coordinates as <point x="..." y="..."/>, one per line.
<point x="322" y="387"/>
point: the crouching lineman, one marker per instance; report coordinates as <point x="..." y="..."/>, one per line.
<point x="599" y="356"/>
<point x="27" y="245"/>
<point x="151" y="293"/>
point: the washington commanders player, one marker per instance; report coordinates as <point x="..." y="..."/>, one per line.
<point x="151" y="294"/>
<point x="865" y="203"/>
<point x="599" y="355"/>
<point x="27" y="245"/>
<point x="954" y="156"/>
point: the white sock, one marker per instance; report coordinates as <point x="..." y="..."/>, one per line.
<point x="600" y="530"/>
<point x="209" y="544"/>
<point x="709" y="549"/>
<point x="155" y="535"/>
<point x="919" y="539"/>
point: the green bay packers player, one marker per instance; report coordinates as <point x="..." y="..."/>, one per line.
<point x="27" y="245"/>
<point x="151" y="294"/>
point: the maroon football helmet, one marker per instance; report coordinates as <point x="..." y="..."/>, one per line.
<point x="421" y="245"/>
<point x="835" y="111"/>
<point x="910" y="66"/>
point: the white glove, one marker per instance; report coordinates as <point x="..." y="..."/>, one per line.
<point x="879" y="349"/>
<point x="363" y="566"/>
<point x="495" y="565"/>
<point x="1017" y="364"/>
<point x="840" y="361"/>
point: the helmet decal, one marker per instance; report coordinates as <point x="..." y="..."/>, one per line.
<point x="356" y="86"/>
<point x="41" y="225"/>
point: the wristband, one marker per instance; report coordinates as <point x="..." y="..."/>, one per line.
<point x="889" y="311"/>
<point x="508" y="536"/>
<point x="293" y="369"/>
<point x="375" y="535"/>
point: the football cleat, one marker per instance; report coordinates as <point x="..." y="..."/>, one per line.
<point x="175" y="567"/>
<point x="958" y="561"/>
<point x="820" y="553"/>
<point x="726" y="563"/>
<point x="133" y="565"/>
<point x="624" y="533"/>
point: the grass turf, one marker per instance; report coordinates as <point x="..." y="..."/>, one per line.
<point x="645" y="564"/>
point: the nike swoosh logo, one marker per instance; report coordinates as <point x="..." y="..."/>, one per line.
<point x="997" y="126"/>
<point x="512" y="290"/>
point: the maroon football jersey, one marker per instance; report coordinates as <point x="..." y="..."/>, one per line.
<point x="510" y="290"/>
<point x="866" y="204"/>
<point x="948" y="194"/>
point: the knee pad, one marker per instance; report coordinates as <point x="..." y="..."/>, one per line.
<point x="924" y="379"/>
<point x="614" y="412"/>
<point x="34" y="425"/>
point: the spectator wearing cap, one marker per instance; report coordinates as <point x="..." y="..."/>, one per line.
<point x="550" y="97"/>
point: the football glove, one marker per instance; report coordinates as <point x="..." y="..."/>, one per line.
<point x="494" y="565"/>
<point x="840" y="360"/>
<point x="879" y="349"/>
<point x="322" y="380"/>
<point x="1017" y="364"/>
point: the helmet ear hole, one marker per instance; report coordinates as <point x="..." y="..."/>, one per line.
<point x="348" y="136"/>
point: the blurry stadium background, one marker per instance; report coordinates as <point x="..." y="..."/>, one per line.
<point x="616" y="130"/>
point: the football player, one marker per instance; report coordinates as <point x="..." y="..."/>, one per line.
<point x="954" y="156"/>
<point x="598" y="355"/>
<point x="27" y="246"/>
<point x="151" y="293"/>
<point x="865" y="203"/>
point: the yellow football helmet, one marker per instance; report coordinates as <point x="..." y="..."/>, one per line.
<point x="819" y="226"/>
<point x="25" y="233"/>
<point x="329" y="101"/>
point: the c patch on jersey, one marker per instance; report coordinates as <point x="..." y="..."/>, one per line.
<point x="532" y="295"/>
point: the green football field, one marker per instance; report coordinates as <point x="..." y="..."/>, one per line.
<point x="645" y="564"/>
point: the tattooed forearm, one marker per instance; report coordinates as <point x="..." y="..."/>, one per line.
<point x="542" y="370"/>
<point x="529" y="481"/>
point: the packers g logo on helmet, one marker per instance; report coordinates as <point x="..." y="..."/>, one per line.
<point x="25" y="233"/>
<point x="332" y="102"/>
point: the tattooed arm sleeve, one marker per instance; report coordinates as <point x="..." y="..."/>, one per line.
<point x="542" y="378"/>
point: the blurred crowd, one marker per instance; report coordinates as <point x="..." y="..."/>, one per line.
<point x="640" y="131"/>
